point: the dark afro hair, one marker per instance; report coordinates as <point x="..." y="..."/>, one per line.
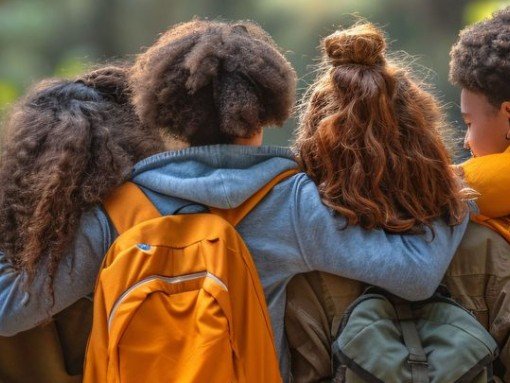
<point x="480" y="59"/>
<point x="207" y="82"/>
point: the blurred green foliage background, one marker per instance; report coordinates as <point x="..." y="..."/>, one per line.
<point x="42" y="38"/>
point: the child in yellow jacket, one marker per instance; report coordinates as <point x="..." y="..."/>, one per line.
<point x="480" y="66"/>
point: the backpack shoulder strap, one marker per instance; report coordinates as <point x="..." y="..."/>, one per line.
<point x="417" y="358"/>
<point x="128" y="206"/>
<point x="236" y="215"/>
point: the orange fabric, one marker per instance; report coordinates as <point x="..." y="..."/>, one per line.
<point x="128" y="205"/>
<point x="179" y="300"/>
<point x="490" y="177"/>
<point x="500" y="225"/>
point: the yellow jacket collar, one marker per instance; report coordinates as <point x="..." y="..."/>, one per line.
<point x="490" y="177"/>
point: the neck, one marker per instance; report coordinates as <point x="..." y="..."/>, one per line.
<point x="255" y="140"/>
<point x="172" y="143"/>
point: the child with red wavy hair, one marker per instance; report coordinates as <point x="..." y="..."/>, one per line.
<point x="370" y="139"/>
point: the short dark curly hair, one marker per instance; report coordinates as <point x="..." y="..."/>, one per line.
<point x="207" y="82"/>
<point x="480" y="59"/>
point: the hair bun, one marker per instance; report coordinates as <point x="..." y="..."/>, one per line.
<point x="362" y="44"/>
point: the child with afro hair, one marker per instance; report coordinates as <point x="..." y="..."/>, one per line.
<point x="479" y="276"/>
<point x="480" y="66"/>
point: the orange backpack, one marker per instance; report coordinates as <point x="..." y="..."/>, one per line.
<point x="178" y="299"/>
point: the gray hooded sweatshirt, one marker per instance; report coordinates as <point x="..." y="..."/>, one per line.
<point x="289" y="232"/>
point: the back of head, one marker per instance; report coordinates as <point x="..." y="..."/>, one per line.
<point x="136" y="139"/>
<point x="67" y="144"/>
<point x="480" y="59"/>
<point x="369" y="137"/>
<point x="209" y="82"/>
<point x="110" y="81"/>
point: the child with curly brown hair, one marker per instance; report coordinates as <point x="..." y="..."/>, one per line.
<point x="66" y="146"/>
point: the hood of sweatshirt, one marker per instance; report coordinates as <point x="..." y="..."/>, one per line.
<point x="220" y="176"/>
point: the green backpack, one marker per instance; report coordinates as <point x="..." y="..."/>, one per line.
<point x="387" y="339"/>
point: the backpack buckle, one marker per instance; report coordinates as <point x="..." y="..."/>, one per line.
<point x="416" y="357"/>
<point x="418" y="362"/>
<point x="419" y="369"/>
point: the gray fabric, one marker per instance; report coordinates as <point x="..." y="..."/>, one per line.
<point x="417" y="358"/>
<point x="453" y="341"/>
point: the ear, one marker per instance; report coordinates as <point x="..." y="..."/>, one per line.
<point x="505" y="108"/>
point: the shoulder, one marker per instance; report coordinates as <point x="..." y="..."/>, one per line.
<point x="300" y="194"/>
<point x="299" y="186"/>
<point x="96" y="230"/>
<point x="482" y="251"/>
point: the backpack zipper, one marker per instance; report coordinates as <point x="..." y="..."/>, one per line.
<point x="171" y="280"/>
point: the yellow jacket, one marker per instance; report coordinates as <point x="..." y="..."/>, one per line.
<point x="489" y="176"/>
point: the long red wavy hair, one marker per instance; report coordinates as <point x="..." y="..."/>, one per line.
<point x="370" y="138"/>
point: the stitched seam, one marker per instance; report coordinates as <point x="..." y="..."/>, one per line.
<point x="298" y="182"/>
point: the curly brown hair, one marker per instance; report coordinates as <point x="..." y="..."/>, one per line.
<point x="369" y="137"/>
<point x="480" y="59"/>
<point x="67" y="144"/>
<point x="209" y="82"/>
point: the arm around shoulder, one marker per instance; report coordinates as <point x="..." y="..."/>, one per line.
<point x="410" y="266"/>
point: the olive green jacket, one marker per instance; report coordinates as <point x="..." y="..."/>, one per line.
<point x="49" y="353"/>
<point x="478" y="278"/>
